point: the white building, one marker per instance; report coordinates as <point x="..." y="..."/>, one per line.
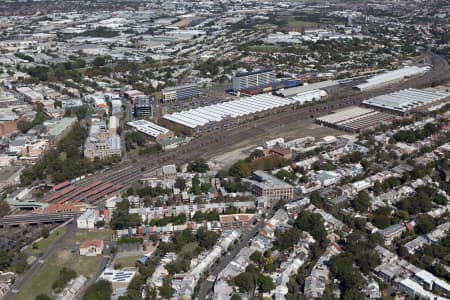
<point x="87" y="219"/>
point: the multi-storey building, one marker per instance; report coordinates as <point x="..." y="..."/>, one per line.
<point x="271" y="188"/>
<point x="143" y="107"/>
<point x="252" y="79"/>
<point x="180" y="92"/>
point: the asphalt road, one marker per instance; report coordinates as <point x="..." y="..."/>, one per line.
<point x="25" y="277"/>
<point x="206" y="286"/>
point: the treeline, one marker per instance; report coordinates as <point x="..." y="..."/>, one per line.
<point x="412" y="136"/>
<point x="245" y="168"/>
<point x="65" y="161"/>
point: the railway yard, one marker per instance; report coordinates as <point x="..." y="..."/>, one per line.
<point x="208" y="145"/>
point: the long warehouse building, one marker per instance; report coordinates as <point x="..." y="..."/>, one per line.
<point x="354" y="119"/>
<point x="391" y="76"/>
<point x="225" y="114"/>
<point x="407" y="101"/>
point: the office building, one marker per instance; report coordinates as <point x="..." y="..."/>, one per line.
<point x="180" y="92"/>
<point x="143" y="107"/>
<point x="243" y="80"/>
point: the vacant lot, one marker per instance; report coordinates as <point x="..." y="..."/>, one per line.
<point x="43" y="244"/>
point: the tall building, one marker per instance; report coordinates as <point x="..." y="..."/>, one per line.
<point x="143" y="107"/>
<point x="180" y="92"/>
<point x="252" y="79"/>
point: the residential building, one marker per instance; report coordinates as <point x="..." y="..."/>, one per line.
<point x="242" y="222"/>
<point x="88" y="219"/>
<point x="91" y="248"/>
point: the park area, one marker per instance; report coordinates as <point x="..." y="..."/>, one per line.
<point x="66" y="256"/>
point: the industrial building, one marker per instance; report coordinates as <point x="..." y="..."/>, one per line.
<point x="244" y="80"/>
<point x="407" y="101"/>
<point x="156" y="132"/>
<point x="308" y="88"/>
<point x="355" y="119"/>
<point x="225" y="114"/>
<point x="270" y="188"/>
<point x="143" y="107"/>
<point x="180" y="92"/>
<point x="391" y="76"/>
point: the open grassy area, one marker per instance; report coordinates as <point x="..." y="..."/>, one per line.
<point x="42" y="281"/>
<point x="86" y="265"/>
<point x="299" y="23"/>
<point x="265" y="48"/>
<point x="43" y="244"/>
<point x="188" y="248"/>
<point x="127" y="261"/>
<point x="100" y="234"/>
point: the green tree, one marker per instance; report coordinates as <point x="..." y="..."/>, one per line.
<point x="257" y="258"/>
<point x="101" y="290"/>
<point x="45" y="232"/>
<point x="361" y="202"/>
<point x="424" y="224"/>
<point x="180" y="183"/>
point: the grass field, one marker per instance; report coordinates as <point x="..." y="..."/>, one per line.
<point x="101" y="234"/>
<point x="299" y="23"/>
<point x="42" y="281"/>
<point x="43" y="244"/>
<point x="188" y="248"/>
<point x="127" y="261"/>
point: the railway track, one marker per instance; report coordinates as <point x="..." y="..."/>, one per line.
<point x="222" y="140"/>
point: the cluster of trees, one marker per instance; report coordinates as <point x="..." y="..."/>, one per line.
<point x="148" y="191"/>
<point x="353" y="157"/>
<point x="386" y="185"/>
<point x="289" y="176"/>
<point x="245" y="168"/>
<point x="198" y="166"/>
<point x="122" y="218"/>
<point x="361" y="202"/>
<point x="382" y="218"/>
<point x="176" y="220"/>
<point x="101" y="290"/>
<point x="78" y="112"/>
<point x="101" y="31"/>
<point x="360" y="257"/>
<point x="432" y="257"/>
<point x="65" y="275"/>
<point x="253" y="279"/>
<point x="235" y="185"/>
<point x="63" y="162"/>
<point x="39" y="118"/>
<point x="313" y="224"/>
<point x="412" y="136"/>
<point x="422" y="200"/>
<point x="24" y="56"/>
<point x="134" y="139"/>
<point x="287" y="239"/>
<point x="200" y="216"/>
<point x="198" y="188"/>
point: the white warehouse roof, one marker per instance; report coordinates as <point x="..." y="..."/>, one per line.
<point x="148" y="128"/>
<point x="387" y="77"/>
<point x="237" y="108"/>
<point x="406" y="100"/>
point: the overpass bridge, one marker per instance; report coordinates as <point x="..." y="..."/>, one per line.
<point x="36" y="218"/>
